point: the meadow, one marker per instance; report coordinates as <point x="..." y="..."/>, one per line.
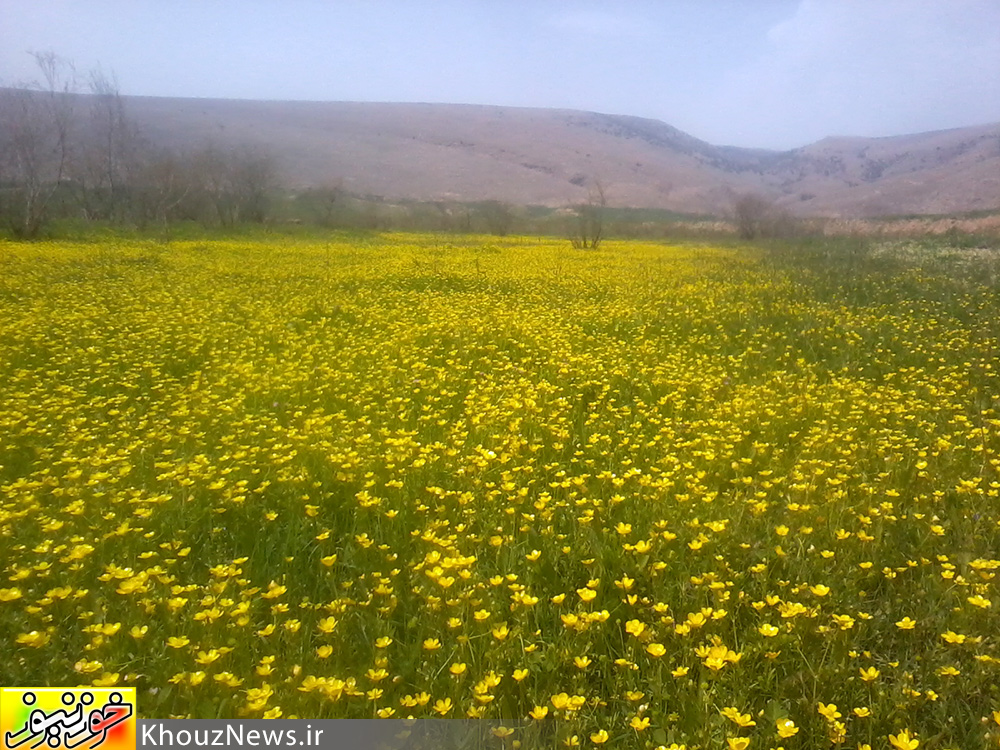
<point x="645" y="496"/>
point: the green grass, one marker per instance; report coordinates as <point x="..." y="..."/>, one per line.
<point x="360" y="475"/>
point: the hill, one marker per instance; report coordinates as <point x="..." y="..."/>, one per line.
<point x="549" y="157"/>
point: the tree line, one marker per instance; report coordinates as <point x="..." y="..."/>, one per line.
<point x="66" y="155"/>
<point x="68" y="149"/>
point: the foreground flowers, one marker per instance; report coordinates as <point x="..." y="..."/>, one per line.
<point x="903" y="741"/>
<point x="609" y="498"/>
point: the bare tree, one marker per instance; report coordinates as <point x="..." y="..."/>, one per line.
<point x="59" y="150"/>
<point x="758" y="217"/>
<point x="499" y="217"/>
<point x="254" y="178"/>
<point x="326" y="201"/>
<point x="35" y="144"/>
<point x="238" y="183"/>
<point x="164" y="187"/>
<point x="752" y="214"/>
<point x="107" y="156"/>
<point x="589" y="225"/>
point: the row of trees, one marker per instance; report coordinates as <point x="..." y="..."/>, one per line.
<point x="66" y="155"/>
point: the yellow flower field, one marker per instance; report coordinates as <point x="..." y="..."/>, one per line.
<point x="639" y="497"/>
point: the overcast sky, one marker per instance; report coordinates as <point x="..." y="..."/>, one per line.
<point x="768" y="73"/>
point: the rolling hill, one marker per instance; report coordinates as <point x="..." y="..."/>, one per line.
<point x="550" y="157"/>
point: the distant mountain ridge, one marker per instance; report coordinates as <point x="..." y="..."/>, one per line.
<point x="549" y="157"/>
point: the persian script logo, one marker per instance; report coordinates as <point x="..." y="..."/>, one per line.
<point x="51" y="718"/>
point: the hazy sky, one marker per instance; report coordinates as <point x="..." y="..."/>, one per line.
<point x="770" y="73"/>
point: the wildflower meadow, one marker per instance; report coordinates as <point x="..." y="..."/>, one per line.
<point x="648" y="496"/>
